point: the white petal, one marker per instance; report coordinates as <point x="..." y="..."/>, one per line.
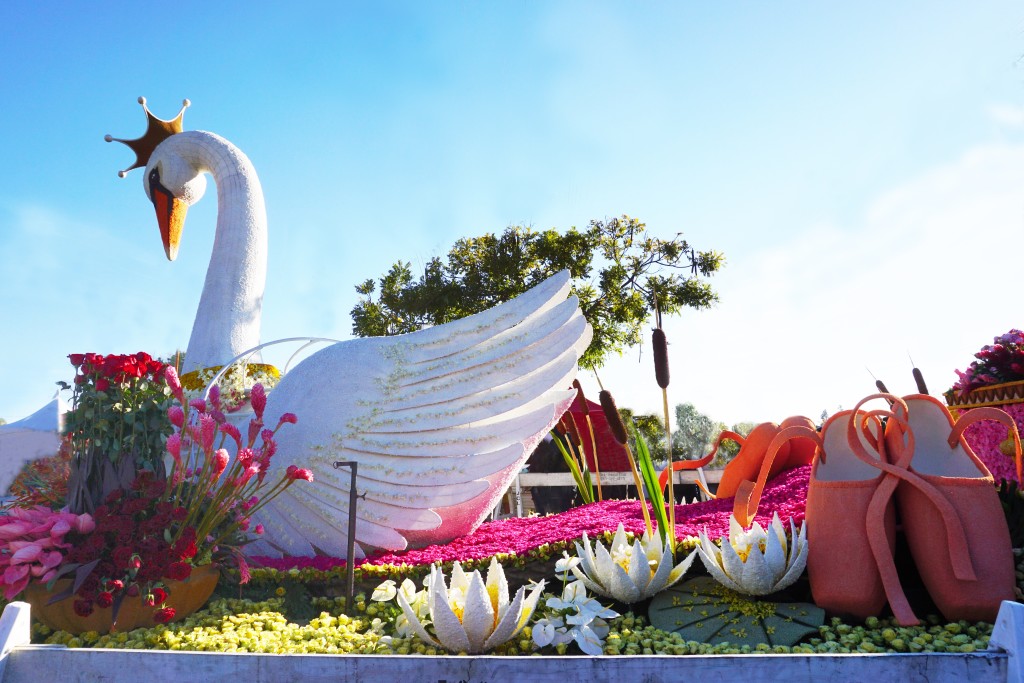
<point x="446" y="625"/>
<point x="797" y="560"/>
<point x="639" y="569"/>
<point x="622" y="587"/>
<point x="478" y="614"/>
<point x="620" y="537"/>
<point x="586" y="580"/>
<point x="460" y="580"/>
<point x="756" y="578"/>
<point x="659" y="580"/>
<point x="732" y="564"/>
<point x="605" y="566"/>
<point x="509" y="625"/>
<point x="679" y="570"/>
<point x="414" y="622"/>
<point x="588" y="641"/>
<point x="736" y="532"/>
<point x="496" y="583"/>
<point x="587" y="557"/>
<point x="384" y="592"/>
<point x="775" y="554"/>
<point x="780" y="531"/>
<point x="543" y="633"/>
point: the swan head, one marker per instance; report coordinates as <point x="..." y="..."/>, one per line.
<point x="173" y="184"/>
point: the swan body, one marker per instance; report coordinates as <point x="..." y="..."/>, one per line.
<point x="439" y="421"/>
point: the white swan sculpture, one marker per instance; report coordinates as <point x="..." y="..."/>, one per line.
<point x="440" y="421"/>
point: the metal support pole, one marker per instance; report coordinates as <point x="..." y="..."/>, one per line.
<point x="350" y="572"/>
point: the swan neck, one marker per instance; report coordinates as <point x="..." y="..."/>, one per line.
<point x="228" y="319"/>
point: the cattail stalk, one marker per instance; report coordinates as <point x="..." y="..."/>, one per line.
<point x="572" y="433"/>
<point x="661" y="374"/>
<point x="585" y="409"/>
<point x="611" y="413"/>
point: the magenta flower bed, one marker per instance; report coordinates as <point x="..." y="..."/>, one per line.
<point x="984" y="437"/>
<point x="786" y="494"/>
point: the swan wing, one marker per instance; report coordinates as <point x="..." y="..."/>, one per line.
<point x="438" y="421"/>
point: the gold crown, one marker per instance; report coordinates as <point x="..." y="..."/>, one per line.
<point x="157" y="131"/>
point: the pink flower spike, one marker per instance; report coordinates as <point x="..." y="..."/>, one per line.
<point x="171" y="375"/>
<point x="290" y="418"/>
<point x="232" y="431"/>
<point x="254" y="429"/>
<point x="208" y="429"/>
<point x="250" y="471"/>
<point x="174" y="446"/>
<point x="245" y="457"/>
<point x="294" y="473"/>
<point x="220" y="461"/>
<point x="258" y="530"/>
<point x="199" y="404"/>
<point x="266" y="435"/>
<point x="258" y="400"/>
<point x="176" y="415"/>
<point x="214" y="396"/>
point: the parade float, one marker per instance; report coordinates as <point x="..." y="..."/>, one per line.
<point x="355" y="520"/>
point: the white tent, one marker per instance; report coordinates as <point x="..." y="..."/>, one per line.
<point x="36" y="436"/>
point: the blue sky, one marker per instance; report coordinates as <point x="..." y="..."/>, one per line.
<point x="861" y="166"/>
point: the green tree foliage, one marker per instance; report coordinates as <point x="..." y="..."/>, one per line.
<point x="695" y="432"/>
<point x="620" y="274"/>
<point x="651" y="428"/>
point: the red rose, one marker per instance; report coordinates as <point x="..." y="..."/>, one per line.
<point x="162" y="616"/>
<point x="102" y="384"/>
<point x="77" y="359"/>
<point x="105" y="599"/>
<point x="121" y="556"/>
<point x="179" y="571"/>
<point x="83" y="608"/>
<point x="159" y="595"/>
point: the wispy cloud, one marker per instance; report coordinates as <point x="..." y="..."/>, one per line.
<point x="1007" y="115"/>
<point x="929" y="269"/>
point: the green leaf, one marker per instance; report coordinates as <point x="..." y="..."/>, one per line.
<point x="705" y="611"/>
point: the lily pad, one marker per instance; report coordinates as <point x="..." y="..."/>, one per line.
<point x="705" y="611"/>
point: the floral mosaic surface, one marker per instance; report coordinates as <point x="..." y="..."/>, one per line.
<point x="785" y="495"/>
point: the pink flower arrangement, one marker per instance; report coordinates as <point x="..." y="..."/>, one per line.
<point x="786" y="494"/>
<point x="220" y="494"/>
<point x="33" y="545"/>
<point x="996" y="363"/>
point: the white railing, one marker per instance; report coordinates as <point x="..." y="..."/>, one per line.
<point x="21" y="662"/>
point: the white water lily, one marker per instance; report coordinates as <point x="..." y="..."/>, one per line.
<point x="471" y="615"/>
<point x="756" y="561"/>
<point x="628" y="573"/>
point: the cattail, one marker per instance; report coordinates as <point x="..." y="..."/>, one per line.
<point x="581" y="400"/>
<point x="584" y="407"/>
<point x="922" y="388"/>
<point x="611" y="413"/>
<point x="571" y="428"/>
<point x="660" y="358"/>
